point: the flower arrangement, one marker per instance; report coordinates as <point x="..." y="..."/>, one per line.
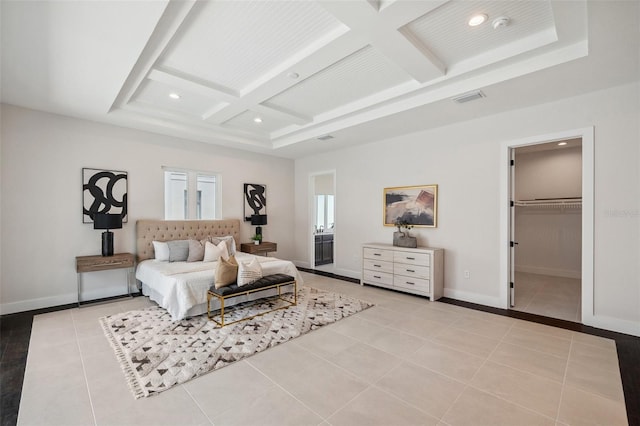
<point x="401" y="223"/>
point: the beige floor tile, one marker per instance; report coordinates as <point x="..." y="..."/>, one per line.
<point x="283" y="361"/>
<point x="419" y="327"/>
<point x="325" y="342"/>
<point x="601" y="381"/>
<point x="365" y="362"/>
<point x="588" y="339"/>
<point x="383" y="316"/>
<point x="356" y="327"/>
<point x="490" y="329"/>
<point x="539" y="342"/>
<point x="543" y="329"/>
<point x="50" y="357"/>
<point x="466" y="342"/>
<point x="479" y="408"/>
<point x="394" y="342"/>
<point x="228" y="388"/>
<point x="114" y="404"/>
<point x="445" y="360"/>
<point x="44" y="337"/>
<point x="275" y="407"/>
<point x="535" y="362"/>
<point x="595" y="356"/>
<point x="318" y="389"/>
<point x="403" y="304"/>
<point x="528" y="390"/>
<point x="584" y="408"/>
<point x="59" y="405"/>
<point x="430" y="392"/>
<point x="375" y="407"/>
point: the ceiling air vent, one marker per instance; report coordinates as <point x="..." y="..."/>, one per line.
<point x="324" y="137"/>
<point x="469" y="96"/>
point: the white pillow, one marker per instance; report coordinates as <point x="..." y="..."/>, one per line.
<point x="162" y="251"/>
<point x="249" y="272"/>
<point x="212" y="252"/>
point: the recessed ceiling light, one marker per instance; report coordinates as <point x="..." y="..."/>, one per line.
<point x="324" y="137"/>
<point x="478" y="19"/>
<point x="257" y="120"/>
<point x="293" y="75"/>
<point x="562" y="143"/>
<point x="174" y="96"/>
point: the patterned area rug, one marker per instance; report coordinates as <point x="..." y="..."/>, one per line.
<point x="157" y="353"/>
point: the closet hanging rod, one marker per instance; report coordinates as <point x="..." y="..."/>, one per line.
<point x="573" y="202"/>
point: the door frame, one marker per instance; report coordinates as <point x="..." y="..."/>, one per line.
<point x="312" y="214"/>
<point x="588" y="183"/>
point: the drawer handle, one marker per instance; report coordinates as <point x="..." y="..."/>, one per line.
<point x="409" y="282"/>
<point x="377" y="276"/>
<point x="411" y="258"/>
<point x="410" y="270"/>
<point x="377" y="254"/>
<point x="378" y="266"/>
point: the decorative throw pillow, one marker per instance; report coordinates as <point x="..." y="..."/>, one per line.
<point x="196" y="250"/>
<point x="231" y="243"/>
<point x="178" y="250"/>
<point x="249" y="272"/>
<point x="161" y="250"/>
<point x="214" y="252"/>
<point x="226" y="272"/>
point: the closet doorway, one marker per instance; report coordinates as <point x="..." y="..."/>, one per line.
<point x="546" y="229"/>
<point x="323" y="229"/>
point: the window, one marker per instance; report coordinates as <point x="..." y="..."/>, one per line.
<point x="191" y="195"/>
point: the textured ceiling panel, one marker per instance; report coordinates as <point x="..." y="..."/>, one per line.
<point x="234" y="43"/>
<point x="361" y="74"/>
<point x="157" y="94"/>
<point x="446" y="33"/>
<point x="245" y="121"/>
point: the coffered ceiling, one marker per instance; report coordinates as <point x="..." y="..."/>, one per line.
<point x="272" y="75"/>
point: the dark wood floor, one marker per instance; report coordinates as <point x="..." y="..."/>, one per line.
<point x="15" y="332"/>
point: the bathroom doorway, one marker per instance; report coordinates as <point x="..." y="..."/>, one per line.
<point x="323" y="224"/>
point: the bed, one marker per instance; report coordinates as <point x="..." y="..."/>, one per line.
<point x="181" y="287"/>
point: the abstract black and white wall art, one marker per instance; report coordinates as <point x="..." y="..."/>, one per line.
<point x="103" y="191"/>
<point x="255" y="200"/>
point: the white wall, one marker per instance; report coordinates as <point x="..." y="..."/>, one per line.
<point x="549" y="239"/>
<point x="41" y="185"/>
<point x="464" y="160"/>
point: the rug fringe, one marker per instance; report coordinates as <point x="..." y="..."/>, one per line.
<point x="123" y="360"/>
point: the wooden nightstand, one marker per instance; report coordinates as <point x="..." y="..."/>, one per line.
<point x="260" y="249"/>
<point x="104" y="263"/>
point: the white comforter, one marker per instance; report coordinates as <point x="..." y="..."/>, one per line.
<point x="183" y="285"/>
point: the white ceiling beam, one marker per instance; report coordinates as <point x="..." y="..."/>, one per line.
<point x="280" y="114"/>
<point x="305" y="66"/>
<point x="364" y="20"/>
<point x="192" y="84"/>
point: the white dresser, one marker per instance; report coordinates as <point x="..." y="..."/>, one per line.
<point x="413" y="270"/>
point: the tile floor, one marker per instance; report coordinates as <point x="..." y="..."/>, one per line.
<point x="549" y="296"/>
<point x="405" y="361"/>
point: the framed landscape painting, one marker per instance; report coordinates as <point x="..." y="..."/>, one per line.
<point x="416" y="205"/>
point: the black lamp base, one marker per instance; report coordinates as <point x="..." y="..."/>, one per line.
<point x="107" y="243"/>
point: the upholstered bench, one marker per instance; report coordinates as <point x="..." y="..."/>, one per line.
<point x="264" y="283"/>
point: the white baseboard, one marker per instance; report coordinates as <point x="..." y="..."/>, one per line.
<point x="613" y="324"/>
<point x="540" y="270"/>
<point x="39" y="303"/>
<point x="59" y="300"/>
<point x="480" y="299"/>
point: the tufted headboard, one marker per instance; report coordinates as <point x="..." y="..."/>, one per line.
<point x="148" y="230"/>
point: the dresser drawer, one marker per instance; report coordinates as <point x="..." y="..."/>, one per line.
<point x="378" y="265"/>
<point x="373" y="253"/>
<point x="412" y="258"/>
<point x="415" y="284"/>
<point x="413" y="271"/>
<point x="378" y="278"/>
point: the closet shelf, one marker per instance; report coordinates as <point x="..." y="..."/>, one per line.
<point x="564" y="203"/>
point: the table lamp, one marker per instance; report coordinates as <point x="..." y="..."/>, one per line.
<point x="107" y="221"/>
